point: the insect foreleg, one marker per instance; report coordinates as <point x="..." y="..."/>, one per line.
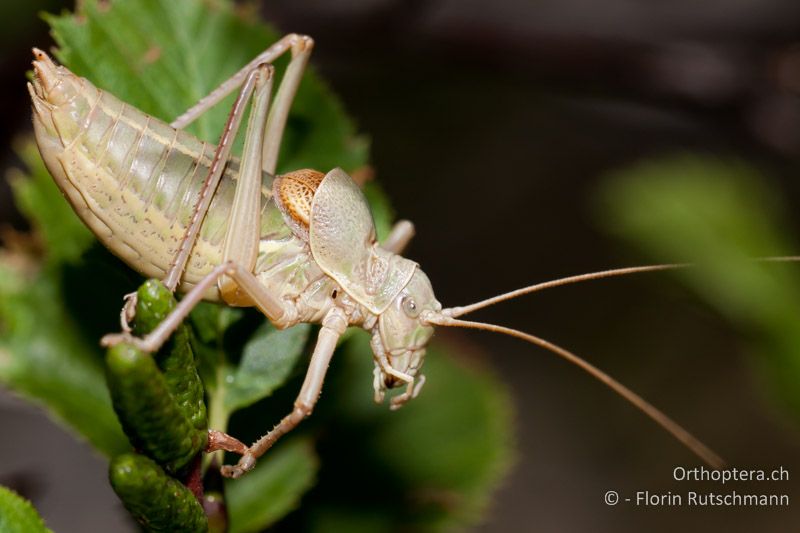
<point x="333" y="325"/>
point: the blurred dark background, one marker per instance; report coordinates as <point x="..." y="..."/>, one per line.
<point x="492" y="127"/>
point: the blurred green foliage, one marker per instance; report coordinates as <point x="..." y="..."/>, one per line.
<point x="17" y="515"/>
<point x="45" y="354"/>
<point x="720" y="215"/>
<point x="23" y="19"/>
<point x="430" y="466"/>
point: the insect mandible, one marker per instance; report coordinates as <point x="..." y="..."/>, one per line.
<point x="301" y="247"/>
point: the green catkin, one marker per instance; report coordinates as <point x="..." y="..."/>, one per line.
<point x="176" y="358"/>
<point x="148" y="413"/>
<point x="157" y="501"/>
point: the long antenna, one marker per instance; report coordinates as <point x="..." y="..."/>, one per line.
<point x="463" y="310"/>
<point x="686" y="438"/>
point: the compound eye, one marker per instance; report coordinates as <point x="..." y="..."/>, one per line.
<point x="410" y="307"/>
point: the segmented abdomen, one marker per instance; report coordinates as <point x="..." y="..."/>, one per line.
<point x="138" y="179"/>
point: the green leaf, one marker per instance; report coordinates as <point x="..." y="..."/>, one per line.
<point x="273" y="488"/>
<point x="44" y="357"/>
<point x="477" y="425"/>
<point x="437" y="460"/>
<point x="17" y="515"/>
<point x="211" y="321"/>
<point x="718" y="214"/>
<point x="162" y="57"/>
<point x="267" y="361"/>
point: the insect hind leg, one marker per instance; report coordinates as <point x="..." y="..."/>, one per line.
<point x="272" y="307"/>
<point x="300" y="47"/>
<point x="264" y="139"/>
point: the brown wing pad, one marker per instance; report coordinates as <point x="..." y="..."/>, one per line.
<point x="294" y="193"/>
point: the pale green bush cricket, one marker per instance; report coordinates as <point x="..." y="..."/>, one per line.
<point x="301" y="247"/>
